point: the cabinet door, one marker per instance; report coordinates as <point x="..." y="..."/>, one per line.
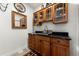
<point x="48" y="13"/>
<point x="31" y="42"/>
<point x="60" y="13"/>
<point x="58" y="50"/>
<point x="45" y="46"/>
<point x="35" y="18"/>
<point x="37" y="46"/>
<point x="41" y="16"/>
<point x="59" y="47"/>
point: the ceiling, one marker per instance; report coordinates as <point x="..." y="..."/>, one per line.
<point x="34" y="5"/>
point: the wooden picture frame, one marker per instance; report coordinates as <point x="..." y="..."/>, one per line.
<point x="19" y="20"/>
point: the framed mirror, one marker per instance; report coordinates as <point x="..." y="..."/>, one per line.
<point x="19" y="20"/>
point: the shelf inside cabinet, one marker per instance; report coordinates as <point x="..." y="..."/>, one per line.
<point x="60" y="16"/>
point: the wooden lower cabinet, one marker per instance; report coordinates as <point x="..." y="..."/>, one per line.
<point x="47" y="46"/>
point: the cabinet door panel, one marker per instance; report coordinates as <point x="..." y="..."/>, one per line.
<point x="48" y="13"/>
<point x="60" y="13"/>
<point x="31" y="41"/>
<point x="37" y="46"/>
<point x="44" y="48"/>
<point x="59" y="50"/>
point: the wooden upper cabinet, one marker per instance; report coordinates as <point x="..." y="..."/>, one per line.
<point x="48" y="13"/>
<point x="35" y="18"/>
<point x="41" y="16"/>
<point x="57" y="12"/>
<point x="60" y="13"/>
<point x="38" y="17"/>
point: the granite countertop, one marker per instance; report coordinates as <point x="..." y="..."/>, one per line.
<point x="55" y="36"/>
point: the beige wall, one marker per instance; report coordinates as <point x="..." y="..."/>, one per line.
<point x="12" y="40"/>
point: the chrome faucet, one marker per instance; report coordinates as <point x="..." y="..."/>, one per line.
<point x="46" y="29"/>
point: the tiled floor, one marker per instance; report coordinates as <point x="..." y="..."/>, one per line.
<point x="31" y="54"/>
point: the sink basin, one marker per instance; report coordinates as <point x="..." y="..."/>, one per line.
<point x="38" y="31"/>
<point x="41" y="32"/>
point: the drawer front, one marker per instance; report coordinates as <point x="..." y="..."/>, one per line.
<point x="60" y="41"/>
<point x="45" y="38"/>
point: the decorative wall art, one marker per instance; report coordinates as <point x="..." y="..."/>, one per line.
<point x="19" y="20"/>
<point x="3" y="7"/>
<point x="20" y="7"/>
